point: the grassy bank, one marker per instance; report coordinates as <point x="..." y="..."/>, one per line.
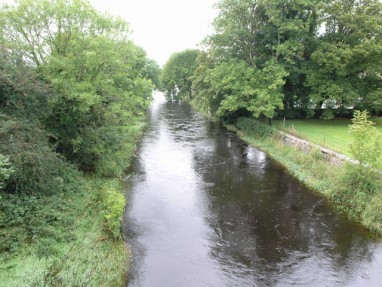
<point x="71" y="248"/>
<point x="333" y="134"/>
<point x="356" y="194"/>
<point x="67" y="239"/>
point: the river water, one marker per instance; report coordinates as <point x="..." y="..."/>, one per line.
<point x="206" y="209"/>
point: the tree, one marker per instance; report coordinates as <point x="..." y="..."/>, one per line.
<point x="101" y="80"/>
<point x="242" y="87"/>
<point x="176" y="75"/>
<point x="345" y="65"/>
<point x="237" y="29"/>
<point x="152" y="71"/>
<point x="44" y="28"/>
<point x="329" y="52"/>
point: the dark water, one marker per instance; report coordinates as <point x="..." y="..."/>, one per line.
<point x="206" y="209"/>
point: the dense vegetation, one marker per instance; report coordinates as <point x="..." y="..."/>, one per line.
<point x="299" y="58"/>
<point x="176" y="75"/>
<point x="73" y="94"/>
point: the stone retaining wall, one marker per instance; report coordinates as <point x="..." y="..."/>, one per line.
<point x="303" y="145"/>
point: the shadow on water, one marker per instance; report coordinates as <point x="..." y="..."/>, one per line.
<point x="206" y="209"/>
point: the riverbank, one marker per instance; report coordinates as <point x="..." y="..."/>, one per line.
<point x="70" y="239"/>
<point x="358" y="196"/>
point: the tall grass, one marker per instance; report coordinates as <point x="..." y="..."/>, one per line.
<point x="90" y="258"/>
<point x="70" y="238"/>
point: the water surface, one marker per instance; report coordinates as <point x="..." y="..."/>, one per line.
<point x="206" y="209"/>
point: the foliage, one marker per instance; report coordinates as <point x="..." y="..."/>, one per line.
<point x="5" y="170"/>
<point x="73" y="93"/>
<point x="176" y="75"/>
<point x="89" y="118"/>
<point x="113" y="205"/>
<point x="152" y="71"/>
<point x="37" y="169"/>
<point x="302" y="55"/>
<point x="67" y="244"/>
<point x="240" y="86"/>
<point x="344" y="69"/>
<point x="366" y="146"/>
<point x="253" y="127"/>
<point x="101" y="79"/>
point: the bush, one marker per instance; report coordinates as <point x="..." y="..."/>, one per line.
<point x="37" y="169"/>
<point x="359" y="194"/>
<point x="251" y="126"/>
<point x="113" y="205"/>
<point x="5" y="170"/>
<point x="366" y="146"/>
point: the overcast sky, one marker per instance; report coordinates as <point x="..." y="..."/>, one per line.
<point x="162" y="27"/>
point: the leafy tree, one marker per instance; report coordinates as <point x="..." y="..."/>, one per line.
<point x="240" y="86"/>
<point x="152" y="71"/>
<point x="329" y="53"/>
<point x="204" y="94"/>
<point x="22" y="92"/>
<point x="102" y="81"/>
<point x="176" y="75"/>
<point x="43" y="28"/>
<point x="344" y="70"/>
<point x="237" y="29"/>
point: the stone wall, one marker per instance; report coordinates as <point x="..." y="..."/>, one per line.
<point x="305" y="146"/>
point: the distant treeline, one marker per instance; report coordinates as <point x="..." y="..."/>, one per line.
<point x="299" y="58"/>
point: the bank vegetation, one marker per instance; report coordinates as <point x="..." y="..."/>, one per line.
<point x="73" y="93"/>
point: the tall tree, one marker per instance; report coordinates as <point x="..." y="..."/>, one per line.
<point x="102" y="79"/>
<point x="176" y="75"/>
<point x="345" y="69"/>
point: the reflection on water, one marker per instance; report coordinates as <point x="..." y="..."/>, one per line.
<point x="206" y="209"/>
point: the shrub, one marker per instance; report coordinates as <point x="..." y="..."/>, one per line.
<point x="5" y="170"/>
<point x="366" y="146"/>
<point x="251" y="126"/>
<point x="113" y="205"/>
<point x="37" y="169"/>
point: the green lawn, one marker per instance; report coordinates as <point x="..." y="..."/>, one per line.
<point x="333" y="134"/>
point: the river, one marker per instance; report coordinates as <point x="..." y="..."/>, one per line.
<point x="206" y="209"/>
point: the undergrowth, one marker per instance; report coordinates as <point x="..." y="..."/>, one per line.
<point x="69" y="236"/>
<point x="64" y="242"/>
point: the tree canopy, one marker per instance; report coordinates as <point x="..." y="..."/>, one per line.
<point x="299" y="58"/>
<point x="74" y="74"/>
<point x="176" y="75"/>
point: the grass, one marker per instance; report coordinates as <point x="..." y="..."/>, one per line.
<point x="355" y="193"/>
<point x="90" y="258"/>
<point x="67" y="241"/>
<point x="333" y="134"/>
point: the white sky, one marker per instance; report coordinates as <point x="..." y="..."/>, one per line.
<point x="162" y="27"/>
